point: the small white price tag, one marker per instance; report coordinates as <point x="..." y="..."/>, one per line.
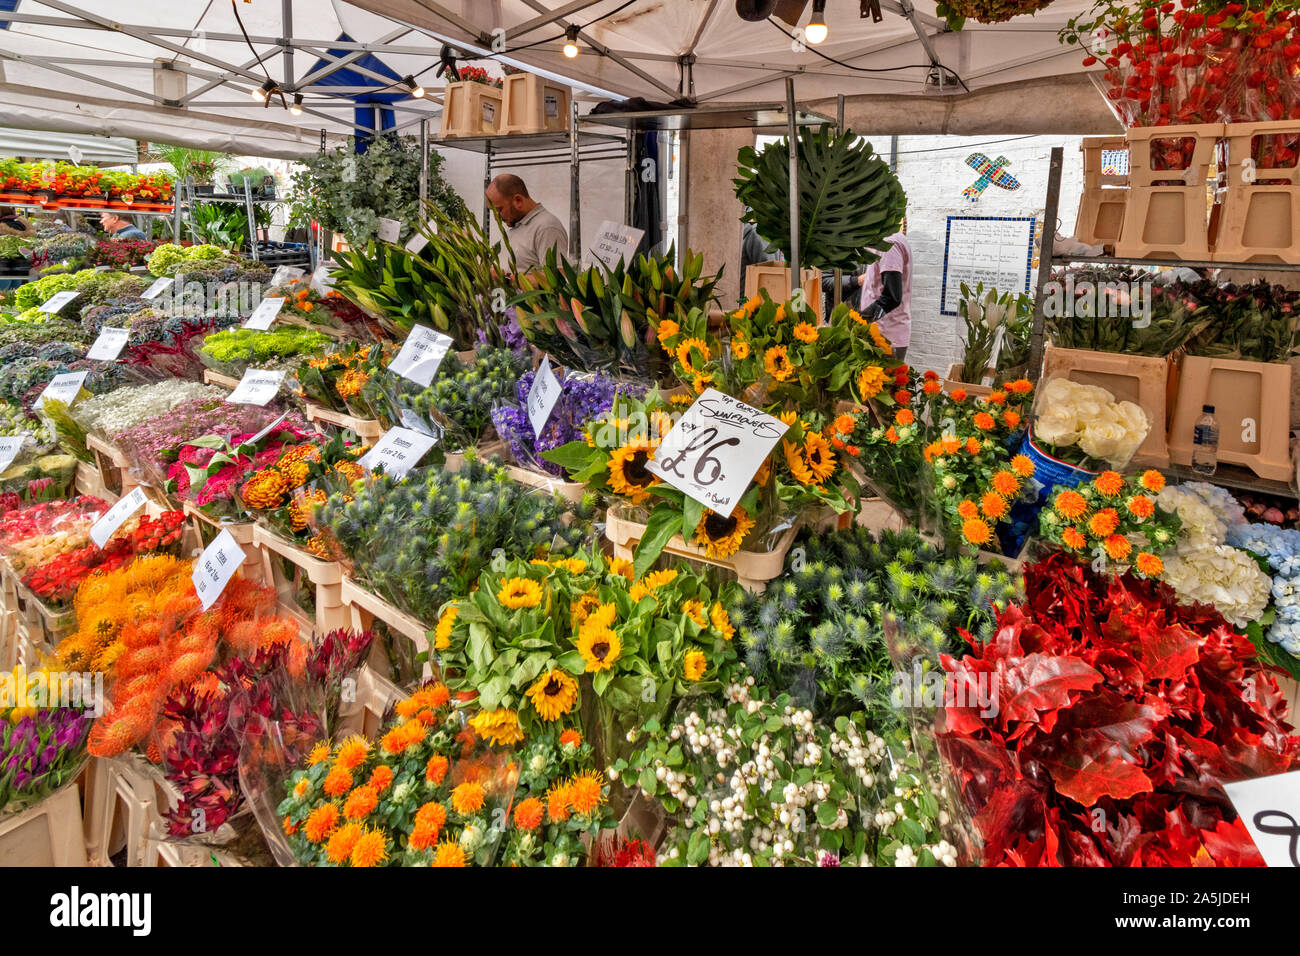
<point x="62" y="388"/>
<point x="321" y="280"/>
<point x="615" y="241"/>
<point x="1270" y="809"/>
<point x="715" y="449"/>
<point x="159" y="285"/>
<point x="286" y="274"/>
<point x="415" y="245"/>
<point x="59" y="300"/>
<point x="103" y="529"/>
<point x="265" y="313"/>
<point x="388" y="229"/>
<point x="542" y="396"/>
<point x="10" y="446"/>
<point x="257" y="387"/>
<point x="108" y="346"/>
<point x="215" y="567"/>
<point x="397" y="451"/>
<point x="421" y="355"/>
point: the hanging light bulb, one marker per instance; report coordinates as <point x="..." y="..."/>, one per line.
<point x="817" y="31"/>
<point x="571" y="43"/>
<point x="261" y="93"/>
<point x="416" y="89"/>
<point x="296" y="108"/>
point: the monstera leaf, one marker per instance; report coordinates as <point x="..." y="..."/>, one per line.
<point x="849" y="199"/>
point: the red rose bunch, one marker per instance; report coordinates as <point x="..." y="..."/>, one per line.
<point x="1097" y="726"/>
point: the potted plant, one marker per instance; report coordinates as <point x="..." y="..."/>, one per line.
<point x="987" y="315"/>
<point x="42" y="176"/>
<point x="203" y="171"/>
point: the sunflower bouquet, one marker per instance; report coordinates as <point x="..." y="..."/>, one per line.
<point x="1113" y="519"/>
<point x="432" y="790"/>
<point x="548" y="641"/>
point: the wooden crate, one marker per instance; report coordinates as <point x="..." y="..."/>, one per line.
<point x="951" y="383"/>
<point x="1140" y="379"/>
<point x="289" y="568"/>
<point x="43" y="626"/>
<point x="1259" y="222"/>
<point x="375" y="695"/>
<point x="1251" y="404"/>
<point x="213" y="377"/>
<point x="1168" y="221"/>
<point x="774" y="279"/>
<point x="533" y="104"/>
<point x="121" y="808"/>
<point x="571" y="491"/>
<point x="470" y="109"/>
<point x="1104" y="198"/>
<point x="368" y="430"/>
<point x="87" y="482"/>
<point x="47" y="834"/>
<point x="753" y="569"/>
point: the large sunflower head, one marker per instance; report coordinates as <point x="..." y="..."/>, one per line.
<point x="684" y="355"/>
<point x="776" y="362"/>
<point x="518" y="593"/>
<point x="554" y="694"/>
<point x="599" y="646"/>
<point x="628" y="475"/>
<point x="721" y="536"/>
<point x="870" y="381"/>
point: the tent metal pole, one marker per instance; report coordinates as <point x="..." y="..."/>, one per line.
<point x="76" y="74"/>
<point x="424" y="167"/>
<point x="528" y="26"/>
<point x="575" y="204"/>
<point x="792" y="143"/>
<point x="1046" y="248"/>
<point x="350" y="58"/>
<point x="455" y="19"/>
<point x="286" y="31"/>
<point x="220" y="80"/>
<point x="252" y="219"/>
<point x="839" y="128"/>
<point x="487" y="181"/>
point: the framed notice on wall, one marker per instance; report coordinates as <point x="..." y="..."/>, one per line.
<point x="995" y="250"/>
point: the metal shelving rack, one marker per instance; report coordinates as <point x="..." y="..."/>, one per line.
<point x="1230" y="476"/>
<point x="248" y="201"/>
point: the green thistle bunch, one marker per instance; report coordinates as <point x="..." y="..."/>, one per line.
<point x="818" y="632"/>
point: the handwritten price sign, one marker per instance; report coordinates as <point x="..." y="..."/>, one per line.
<point x="398" y="451"/>
<point x="215" y="567"/>
<point x="421" y="355"/>
<point x="1270" y="809"/>
<point x="715" y="449"/>
<point x="542" y="396"/>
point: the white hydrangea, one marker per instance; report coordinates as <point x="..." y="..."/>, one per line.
<point x="1221" y="575"/>
<point x="1202" y="526"/>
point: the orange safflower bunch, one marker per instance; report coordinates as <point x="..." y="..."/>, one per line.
<point x="1112" y="520"/>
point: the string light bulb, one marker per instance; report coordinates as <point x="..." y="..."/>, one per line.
<point x="262" y="92"/>
<point x="296" y="108"/>
<point x="817" y="31"/>
<point x="571" y="43"/>
<point x="416" y="89"/>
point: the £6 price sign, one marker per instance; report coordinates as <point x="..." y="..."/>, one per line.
<point x="715" y="449"/>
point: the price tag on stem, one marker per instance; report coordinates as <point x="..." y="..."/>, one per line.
<point x="215" y="567"/>
<point x="421" y="355"/>
<point x="397" y="451"/>
<point x="10" y="445"/>
<point x="264" y="315"/>
<point x="542" y="396"/>
<point x="63" y="388"/>
<point x="113" y="519"/>
<point x="58" y="300"/>
<point x="158" y="287"/>
<point x="108" y="346"/>
<point x="257" y="387"/>
<point x="715" y="449"/>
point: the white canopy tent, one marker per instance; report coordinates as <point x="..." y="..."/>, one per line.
<point x="185" y="73"/>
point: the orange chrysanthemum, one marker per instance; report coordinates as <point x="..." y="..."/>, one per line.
<point x="1149" y="565"/>
<point x="1103" y="523"/>
<point x="1073" y="538"/>
<point x="371" y="849"/>
<point x="976" y="531"/>
<point x="571" y="738"/>
<point x="529" y="814"/>
<point x="968" y="510"/>
<point x="320" y="823"/>
<point x="993" y="505"/>
<point x="1023" y="466"/>
<point x="449" y="854"/>
<point x="352" y="753"/>
<point x="1070" y="505"/>
<point x="983" y="421"/>
<point x="1109" y="483"/>
<point x="1118" y="547"/>
<point x="1140" y="506"/>
<point x="467" y="798"/>
<point x="360" y="802"/>
<point x="337" y="782"/>
<point x="342" y="842"/>
<point x="1152" y="480"/>
<point x="904" y="416"/>
<point x="1006" y="483"/>
<point x="1011" y="417"/>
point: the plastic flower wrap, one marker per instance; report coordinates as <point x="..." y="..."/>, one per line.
<point x="32" y="536"/>
<point x="338" y="380"/>
<point x="582" y="399"/>
<point x="431" y="790"/>
<point x="425" y="539"/>
<point x="41" y="749"/>
<point x="817" y="632"/>
<point x="1101" y="685"/>
<point x="233" y="351"/>
<point x="1280" y="549"/>
<point x="1086" y="425"/>
<point x="550" y="638"/>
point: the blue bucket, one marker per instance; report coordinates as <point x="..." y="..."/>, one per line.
<point x="1049" y="472"/>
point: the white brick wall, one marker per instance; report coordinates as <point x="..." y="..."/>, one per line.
<point x="933" y="171"/>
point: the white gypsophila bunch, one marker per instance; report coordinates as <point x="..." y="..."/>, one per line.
<point x="122" y="409"/>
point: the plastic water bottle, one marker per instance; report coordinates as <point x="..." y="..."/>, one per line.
<point x="1205" y="443"/>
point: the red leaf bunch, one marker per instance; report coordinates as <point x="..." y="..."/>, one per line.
<point x="1110" y="716"/>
